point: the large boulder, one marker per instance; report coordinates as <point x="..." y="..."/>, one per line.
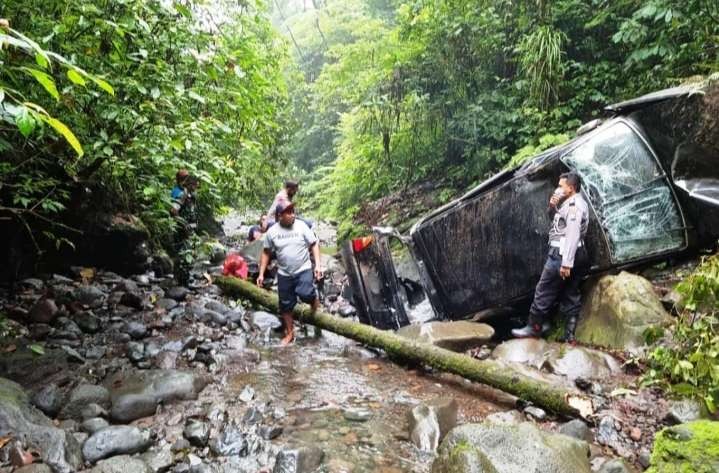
<point x="456" y="336"/>
<point x="504" y="448"/>
<point x="119" y="242"/>
<point x="18" y="418"/>
<point x="138" y="394"/>
<point x="80" y="397"/>
<point x="430" y="422"/>
<point x="617" y="311"/>
<point x="693" y="446"/>
<point x="565" y="360"/>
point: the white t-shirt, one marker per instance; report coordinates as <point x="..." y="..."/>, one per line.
<point x="292" y="246"/>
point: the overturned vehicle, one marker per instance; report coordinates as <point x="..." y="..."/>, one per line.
<point x="650" y="173"/>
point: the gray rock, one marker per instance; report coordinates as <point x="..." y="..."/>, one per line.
<point x="44" y="311"/>
<point x="126" y="285"/>
<point x="197" y="432"/>
<point x="167" y="304"/>
<point x="49" y="399"/>
<point x="137" y="395"/>
<point x="302" y="459"/>
<point x="180" y="445"/>
<point x="430" y="422"/>
<point x="136" y="330"/>
<point x="462" y="460"/>
<point x="535" y="412"/>
<point x="132" y="299"/>
<point x="177" y="293"/>
<point x="34" y="468"/>
<point x="80" y="397"/>
<point x="33" y="283"/>
<point x="120" y="464"/>
<point x="231" y="441"/>
<point x="93" y="425"/>
<point x="39" y="331"/>
<point x="217" y="306"/>
<point x="72" y="354"/>
<point x="95" y="352"/>
<point x="158" y="461"/>
<point x="115" y="440"/>
<point x="57" y="448"/>
<point x="515" y="448"/>
<point x="93" y="410"/>
<point x="264" y="321"/>
<point x="357" y="414"/>
<point x="136" y="351"/>
<point x="236" y="316"/>
<point x="89" y="295"/>
<point x="507" y="417"/>
<point x="214" y="317"/>
<point x="618" y="310"/>
<point x="607" y="433"/>
<point x="88" y="322"/>
<point x="616" y="465"/>
<point x="576" y="429"/>
<point x="269" y="432"/>
<point x="247" y="394"/>
<point x="457" y="336"/>
<point x="80" y="437"/>
<point x="252" y="416"/>
<point x="165" y="360"/>
<point x="685" y="410"/>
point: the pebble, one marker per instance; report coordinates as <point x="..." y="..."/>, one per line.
<point x="247" y="394"/>
<point x="535" y="412"/>
<point x="357" y="415"/>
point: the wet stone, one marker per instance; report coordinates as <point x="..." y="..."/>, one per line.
<point x="431" y="421"/>
<point x="231" y="441"/>
<point x="49" y="399"/>
<point x="165" y="360"/>
<point x="214" y="317"/>
<point x="95" y="352"/>
<point x="89" y="295"/>
<point x="166" y="303"/>
<point x="217" y="306"/>
<point x="93" y="425"/>
<point x="88" y="322"/>
<point x="197" y="432"/>
<point x="577" y="429"/>
<point x="115" y="440"/>
<point x="180" y="445"/>
<point x="304" y="459"/>
<point x="136" y="330"/>
<point x="264" y="321"/>
<point x="132" y="299"/>
<point x="457" y="336"/>
<point x="135" y="351"/>
<point x="252" y="416"/>
<point x="177" y="293"/>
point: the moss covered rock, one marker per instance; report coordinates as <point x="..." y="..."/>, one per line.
<point x="462" y="458"/>
<point x="472" y="448"/>
<point x="617" y="310"/>
<point x="687" y="448"/>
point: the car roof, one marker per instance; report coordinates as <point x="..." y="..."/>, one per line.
<point x="654" y="97"/>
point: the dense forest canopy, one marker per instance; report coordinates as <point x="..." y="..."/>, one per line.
<point x="103" y="101"/>
<point x="397" y="92"/>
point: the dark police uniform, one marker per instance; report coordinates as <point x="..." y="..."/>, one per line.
<point x="566" y="248"/>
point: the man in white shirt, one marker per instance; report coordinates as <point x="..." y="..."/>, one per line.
<point x="291" y="240"/>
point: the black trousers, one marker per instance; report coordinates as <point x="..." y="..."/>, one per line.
<point x="552" y="288"/>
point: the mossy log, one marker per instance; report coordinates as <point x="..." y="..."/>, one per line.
<point x="556" y="399"/>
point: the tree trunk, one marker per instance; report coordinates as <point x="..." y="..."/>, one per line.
<point x="556" y="399"/>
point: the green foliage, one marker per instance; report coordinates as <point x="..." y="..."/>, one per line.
<point x="184" y="88"/>
<point x="688" y="364"/>
<point x="529" y="151"/>
<point x="450" y="91"/>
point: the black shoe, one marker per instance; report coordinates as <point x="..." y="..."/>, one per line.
<point x="569" y="329"/>
<point x="528" y="331"/>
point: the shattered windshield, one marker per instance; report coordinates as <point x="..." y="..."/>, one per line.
<point x="629" y="193"/>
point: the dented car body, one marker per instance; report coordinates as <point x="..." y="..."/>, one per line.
<point x="650" y="174"/>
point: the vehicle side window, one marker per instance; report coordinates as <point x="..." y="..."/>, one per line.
<point x="629" y="193"/>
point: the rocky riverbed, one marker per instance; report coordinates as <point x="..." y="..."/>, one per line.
<point x="106" y="373"/>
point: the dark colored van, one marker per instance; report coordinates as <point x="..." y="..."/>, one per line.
<point x="650" y="173"/>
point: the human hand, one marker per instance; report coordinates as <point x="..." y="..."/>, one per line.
<point x="260" y="280"/>
<point x="565" y="272"/>
<point x="554" y="200"/>
<point x="319" y="274"/>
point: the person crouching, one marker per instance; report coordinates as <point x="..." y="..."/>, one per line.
<point x="291" y="240"/>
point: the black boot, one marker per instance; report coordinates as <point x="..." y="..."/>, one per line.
<point x="569" y="328"/>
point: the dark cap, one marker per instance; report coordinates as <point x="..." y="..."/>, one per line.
<point x="283" y="207"/>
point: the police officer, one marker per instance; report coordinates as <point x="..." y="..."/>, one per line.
<point x="567" y="261"/>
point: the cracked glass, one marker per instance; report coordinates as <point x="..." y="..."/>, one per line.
<point x="629" y="193"/>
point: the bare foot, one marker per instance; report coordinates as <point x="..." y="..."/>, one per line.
<point x="287" y="340"/>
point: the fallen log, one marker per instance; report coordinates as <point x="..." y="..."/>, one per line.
<point x="500" y="376"/>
